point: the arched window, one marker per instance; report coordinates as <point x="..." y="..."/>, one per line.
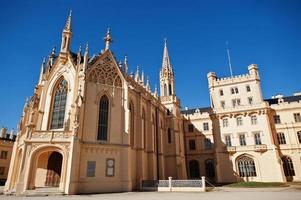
<point x="132" y="124"/>
<point x="103" y="118"/>
<point x="288" y="166"/>
<point x="165" y="90"/>
<point x="194" y="170"/>
<point x="170" y="89"/>
<point x="209" y="168"/>
<point x="246" y="167"/>
<point x="144" y="128"/>
<point x="169" y="135"/>
<point x="59" y="105"/>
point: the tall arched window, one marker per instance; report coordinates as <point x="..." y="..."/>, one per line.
<point x="59" y="105"/>
<point x="209" y="168"/>
<point x="288" y="166"/>
<point x="165" y="90"/>
<point x="144" y="128"/>
<point x="132" y="124"/>
<point x="170" y="89"/>
<point x="194" y="170"/>
<point x="246" y="167"/>
<point x="169" y="135"/>
<point x="103" y="118"/>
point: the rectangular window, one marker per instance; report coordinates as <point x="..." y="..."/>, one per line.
<point x="253" y="120"/>
<point x="91" y="165"/>
<point x="2" y="170"/>
<point x="281" y="138"/>
<point x="236" y="90"/>
<point x="297" y="117"/>
<point x="248" y="88"/>
<point x="277" y="119"/>
<point x="299" y="136"/>
<point x="206" y="126"/>
<point x="257" y="138"/>
<point x="221" y="92"/>
<point x="235" y="102"/>
<point x="225" y="122"/>
<point x="239" y="121"/>
<point x="208" y="144"/>
<point x="190" y="128"/>
<point x="242" y="140"/>
<point x="192" y="145"/>
<point x="223" y="104"/>
<point x="110" y="167"/>
<point x="250" y="100"/>
<point x="3" y="154"/>
<point x="228" y="140"/>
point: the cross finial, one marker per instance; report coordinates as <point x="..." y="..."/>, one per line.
<point x="108" y="39"/>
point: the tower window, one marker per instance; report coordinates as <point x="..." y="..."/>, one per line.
<point x="221" y="92"/>
<point x="170" y="89"/>
<point x="253" y="120"/>
<point x="242" y="140"/>
<point x="225" y="122"/>
<point x="277" y="119"/>
<point x="239" y="121"/>
<point x="297" y="117"/>
<point x="257" y="138"/>
<point x="281" y="138"/>
<point x="59" y="105"/>
<point x="228" y="140"/>
<point x="250" y="100"/>
<point x="248" y="88"/>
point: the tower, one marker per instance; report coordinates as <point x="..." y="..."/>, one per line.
<point x="66" y="38"/>
<point x="166" y="75"/>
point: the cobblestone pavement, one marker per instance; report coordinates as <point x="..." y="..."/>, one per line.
<point x="289" y="193"/>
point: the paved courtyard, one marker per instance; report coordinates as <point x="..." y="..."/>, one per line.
<point x="288" y="193"/>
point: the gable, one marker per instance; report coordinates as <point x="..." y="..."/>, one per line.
<point x="105" y="71"/>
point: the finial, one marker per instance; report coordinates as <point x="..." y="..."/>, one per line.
<point x="120" y="64"/>
<point x="108" y="39"/>
<point x="87" y="47"/>
<point x="68" y="22"/>
<point x="80" y="49"/>
<point x="53" y="51"/>
<point x="142" y="78"/>
<point x="147" y="84"/>
<point x="44" y="60"/>
<point x="156" y="91"/>
<point x="137" y="78"/>
<point x="125" y="59"/>
<point x="165" y="42"/>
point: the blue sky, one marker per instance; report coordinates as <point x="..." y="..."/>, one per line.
<point x="267" y="33"/>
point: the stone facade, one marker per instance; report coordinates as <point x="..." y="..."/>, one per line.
<point x="92" y="127"/>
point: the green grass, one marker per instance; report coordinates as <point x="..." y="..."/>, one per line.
<point x="257" y="184"/>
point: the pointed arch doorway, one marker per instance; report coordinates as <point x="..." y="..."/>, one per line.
<point x="54" y="169"/>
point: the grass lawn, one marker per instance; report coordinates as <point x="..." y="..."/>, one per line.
<point x="257" y="184"/>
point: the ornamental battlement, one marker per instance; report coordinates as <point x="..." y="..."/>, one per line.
<point x="213" y="80"/>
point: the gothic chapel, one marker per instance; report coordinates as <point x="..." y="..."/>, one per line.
<point x="90" y="127"/>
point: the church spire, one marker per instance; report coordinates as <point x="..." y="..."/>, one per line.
<point x="165" y="61"/>
<point x="108" y="39"/>
<point x="66" y="36"/>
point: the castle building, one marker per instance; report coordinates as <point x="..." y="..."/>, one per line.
<point x="92" y="127"/>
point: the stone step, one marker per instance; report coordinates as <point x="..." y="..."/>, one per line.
<point x="39" y="192"/>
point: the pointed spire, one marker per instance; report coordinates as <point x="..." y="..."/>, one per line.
<point x="42" y="70"/>
<point x="165" y="61"/>
<point x="86" y="57"/>
<point x="125" y="63"/>
<point x="156" y="91"/>
<point x="137" y="76"/>
<point x="147" y="84"/>
<point x="108" y="39"/>
<point x="142" y="78"/>
<point x="68" y="23"/>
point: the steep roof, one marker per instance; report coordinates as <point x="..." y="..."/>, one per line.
<point x="193" y="110"/>
<point x="288" y="99"/>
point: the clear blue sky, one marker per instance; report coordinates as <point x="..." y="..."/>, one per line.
<point x="267" y="33"/>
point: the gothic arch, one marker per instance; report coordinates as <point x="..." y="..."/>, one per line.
<point x="105" y="73"/>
